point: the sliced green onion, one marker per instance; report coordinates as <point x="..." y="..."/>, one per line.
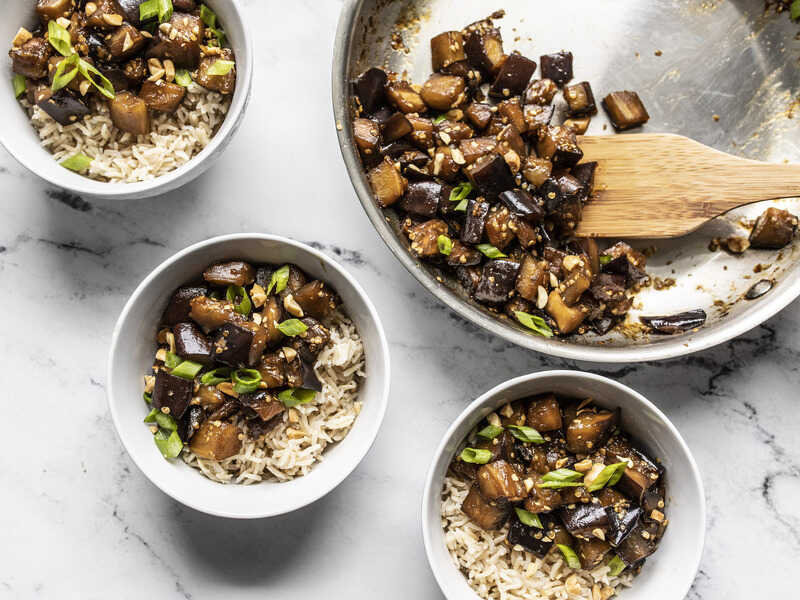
<point x="59" y="38"/>
<point x="165" y="10"/>
<point x="490" y="432"/>
<point x="221" y="67"/>
<point x="615" y="565"/>
<point x="294" y="396"/>
<point x="148" y="10"/>
<point x="188" y="369"/>
<point x="77" y="162"/>
<point x="147" y="397"/>
<point x="208" y="16"/>
<point x="245" y="380"/>
<point x="183" y="77"/>
<point x="460" y="192"/>
<point x="526" y="434"/>
<point x="490" y="251"/>
<point x="20" y="85"/>
<point x="562" y="475"/>
<point x="794" y="10"/>
<point x="439" y="119"/>
<point x="535" y="323"/>
<point x="445" y="245"/>
<point x="462" y="206"/>
<point x="569" y="555"/>
<point x="235" y="291"/>
<point x="605" y="259"/>
<point x="607" y="475"/>
<point x="151" y="416"/>
<point x="292" y="327"/>
<point x="528" y="518"/>
<point x="279" y="280"/>
<point x="164" y="420"/>
<point x="476" y="456"/>
<point x="216" y="376"/>
<point x="558" y="485"/>
<point x="172" y="360"/>
<point x="102" y="84"/>
<point x="170" y="444"/>
<point x="62" y="77"/>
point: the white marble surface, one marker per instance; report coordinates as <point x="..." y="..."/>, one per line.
<point x="78" y="520"/>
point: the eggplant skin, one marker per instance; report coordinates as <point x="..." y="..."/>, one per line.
<point x="177" y="310"/>
<point x="679" y="323"/>
<point x="172" y="394"/>
<point x="589" y="431"/>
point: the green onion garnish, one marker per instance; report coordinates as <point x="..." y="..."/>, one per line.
<point x="490" y="251"/>
<point x="183" y="77"/>
<point x="77" y="162"/>
<point x="445" y="245"/>
<point x="147" y="397"/>
<point x="562" y="475"/>
<point x="490" y="432"/>
<point x="462" y="206"/>
<point x="558" y="485"/>
<point x="610" y="475"/>
<point x="164" y="420"/>
<point x="148" y="10"/>
<point x="569" y="555"/>
<point x="172" y="360"/>
<point x="235" y="291"/>
<point x="221" y="67"/>
<point x="526" y="434"/>
<point x="59" y="38"/>
<point x="615" y="565"/>
<point x="294" y="396"/>
<point x="245" y="380"/>
<point x="476" y="456"/>
<point x="216" y="376"/>
<point x="439" y="119"/>
<point x="62" y="77"/>
<point x="535" y="323"/>
<point x="605" y="259"/>
<point x="164" y="10"/>
<point x="103" y="85"/>
<point x="292" y="327"/>
<point x="210" y="19"/>
<point x="279" y="280"/>
<point x="460" y="192"/>
<point x="794" y="10"/>
<point x="187" y="369"/>
<point x="528" y="518"/>
<point x="170" y="444"/>
<point x="20" y="85"/>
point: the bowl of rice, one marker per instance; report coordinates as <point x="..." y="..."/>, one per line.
<point x="297" y="462"/>
<point x="180" y="145"/>
<point x="472" y="563"/>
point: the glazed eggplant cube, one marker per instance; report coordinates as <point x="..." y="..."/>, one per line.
<point x="488" y="515"/>
<point x="424" y="237"/>
<point x="588" y="431"/>
<point x="445" y="165"/>
<point x="211" y="314"/>
<point x="262" y="403"/>
<point x="567" y="318"/>
<point x="559" y="145"/>
<point x="537" y="116"/>
<point x="367" y="136"/>
<point x="608" y="288"/>
<point x="315" y="299"/>
<point x="498" y="230"/>
<point x="544" y="414"/>
<point x="773" y="229"/>
<point x="491" y="175"/>
<point x="580" y="99"/>
<point x="673" y="324"/>
<point x="177" y="310"/>
<point x="584" y="518"/>
<point x="369" y="89"/>
<point x="463" y="255"/>
<point x="536" y="170"/>
<point x="469" y="277"/>
<point x="125" y="41"/>
<point x="625" y="110"/>
<point x="578" y="124"/>
<point x="499" y="480"/>
<point x="130" y="9"/>
<point x="447" y="48"/>
<point x="231" y="344"/>
<point x="235" y="272"/>
<point x="483" y="46"/>
<point x="523" y="205"/>
<point x="530" y="538"/>
<point x="472" y="149"/>
<point x="129" y="113"/>
<point x="171" y="394"/>
<point x="513" y="78"/>
<point x="405" y="98"/>
<point x="584" y="173"/>
<point x="190" y="422"/>
<point x="422" y="135"/>
<point x="557" y="67"/>
<point x="591" y="552"/>
<point x="387" y="183"/>
<point x="50" y="10"/>
<point x="179" y="40"/>
<point x="475" y="222"/>
<point x="453" y="131"/>
<point x="635" y="548"/>
<point x="422" y="198"/>
<point x="31" y="58"/>
<point x="162" y="96"/>
<point x="563" y="200"/>
<point x="443" y="92"/>
<point x="542" y="500"/>
<point x="479" y="114"/>
<point x="510" y="139"/>
<point x="192" y="344"/>
<point x="532" y="275"/>
<point x="216" y="440"/>
<point x="497" y="281"/>
<point x="224" y="84"/>
<point x="541" y="92"/>
<point x="63" y="106"/>
<point x="622" y="524"/>
<point x="395" y="127"/>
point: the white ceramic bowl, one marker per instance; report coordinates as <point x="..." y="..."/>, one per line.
<point x="21" y="141"/>
<point x="132" y="355"/>
<point x="668" y="574"/>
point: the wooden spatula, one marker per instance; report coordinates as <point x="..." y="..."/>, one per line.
<point x="664" y="185"/>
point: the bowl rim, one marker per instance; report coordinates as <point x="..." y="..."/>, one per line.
<point x="779" y="298"/>
<point x="84" y="186"/>
<point x="428" y="526"/>
<point x="382" y="399"/>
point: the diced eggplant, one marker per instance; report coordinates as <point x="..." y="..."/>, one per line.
<point x="129" y="113"/>
<point x="316" y="338"/>
<point x="622" y="523"/>
<point x="395" y="127"/>
<point x="532" y="275"/>
<point x="773" y="229"/>
<point x="232" y="344"/>
<point x="387" y="183"/>
<point x="497" y="281"/>
<point x="509" y="138"/>
<point x="588" y="431"/>
<point x="224" y="84"/>
<point x="422" y="198"/>
<point x="672" y="324"/>
<point x="472" y="77"/>
<point x="423" y="135"/>
<point x="497" y="227"/>
<point x="512" y="413"/>
<point x="446" y="49"/>
<point x="527" y="234"/>
<point x="463" y="255"/>
<point x="262" y="403"/>
<point x="216" y="440"/>
<point x="271" y="316"/>
<point x="171" y="394"/>
<point x="498" y="480"/>
<point x="544" y="414"/>
<point x="523" y="205"/>
<point x="225" y="410"/>
<point x="209" y="397"/>
<point x="635" y="548"/>
<point x="179" y="41"/>
<point x="114" y="73"/>
<point x="424" y="237"/>
<point x="273" y="369"/>
<point x="487" y="515"/>
<point x="584" y="173"/>
<point x="625" y="109"/>
<point x="192" y="344"/>
<point x="125" y="41"/>
<point x="103" y="15"/>
<point x="367" y="135"/>
<point x="541" y="92"/>
<point x="576" y="281"/>
<point x="469" y="277"/>
<point x="405" y="98"/>
<point x="559" y="145"/>
<point x="135" y="71"/>
<point x="178" y="308"/>
<point x="445" y="165"/>
<point x="536" y="170"/>
<point x="557" y="67"/>
<point x="537" y="117"/>
<point x="652" y="500"/>
<point x="297" y="279"/>
<point x="578" y="124"/>
<point x="130" y="9"/>
<point x="162" y="96"/>
<point x="234" y="272"/>
<point x="63" y="106"/>
<point x="369" y="89"/>
<point x="530" y="538"/>
<point x="567" y="318"/>
<point x="636" y="258"/>
<point x="190" y="422"/>
<point x="622" y="265"/>
<point x="472" y="149"/>
<point x="182" y="5"/>
<point x="513" y="77"/>
<point x="300" y="374"/>
<point x="541" y="499"/>
<point x="50" y="10"/>
<point x="443" y="92"/>
<point x="591" y="552"/>
<point x="479" y="114"/>
<point x="30" y="59"/>
<point x="491" y="175"/>
<point x="580" y="99"/>
<point x="316" y="299"/>
<point x="608" y="288"/>
<point x="483" y="46"/>
<point x="581" y="520"/>
<point x="642" y="473"/>
<point x="453" y="131"/>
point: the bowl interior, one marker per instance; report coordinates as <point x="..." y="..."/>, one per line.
<point x="131" y="358"/>
<point x="668" y="574"/>
<point x="22" y="142"/>
<point x="682" y="94"/>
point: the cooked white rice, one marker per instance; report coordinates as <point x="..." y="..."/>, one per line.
<point x="291" y="450"/>
<point x="124" y="158"/>
<point x="497" y="571"/>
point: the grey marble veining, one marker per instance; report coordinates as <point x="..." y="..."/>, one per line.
<point x="78" y="520"/>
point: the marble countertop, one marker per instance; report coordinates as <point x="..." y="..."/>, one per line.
<point x="80" y="521"/>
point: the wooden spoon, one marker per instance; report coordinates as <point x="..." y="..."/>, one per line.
<point x="665" y="185"/>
